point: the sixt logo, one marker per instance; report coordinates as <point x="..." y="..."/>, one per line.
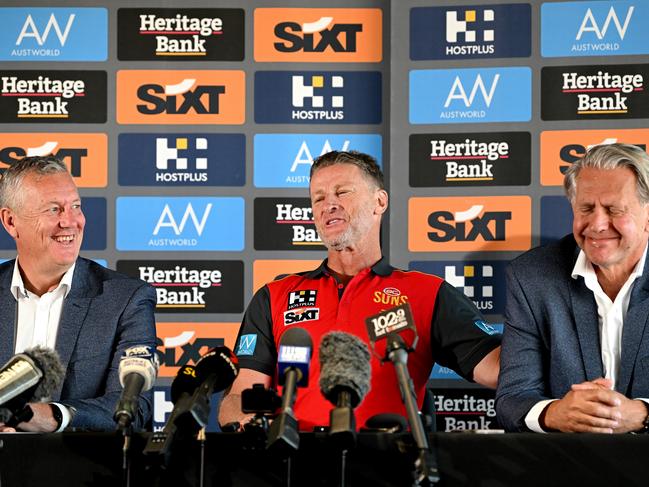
<point x="184" y="348"/>
<point x="468" y="225"/>
<point x="560" y="149"/>
<point x="86" y="155"/>
<point x="337" y="37"/>
<point x="185" y="97"/>
<point x="180" y="98"/>
<point x="318" y="35"/>
<point x="301" y="315"/>
<point x="489" y="223"/>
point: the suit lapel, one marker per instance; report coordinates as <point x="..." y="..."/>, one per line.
<point x="587" y="325"/>
<point x="75" y="309"/>
<point x="634" y="327"/>
<point x="7" y="314"/>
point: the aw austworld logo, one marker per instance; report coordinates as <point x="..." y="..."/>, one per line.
<point x="53" y="34"/>
<point x="473" y="95"/>
<point x="594" y="28"/>
<point x="284" y="160"/>
<point x="180" y="223"/>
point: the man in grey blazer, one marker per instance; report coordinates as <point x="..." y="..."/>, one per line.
<point x="575" y="350"/>
<point x="51" y="297"/>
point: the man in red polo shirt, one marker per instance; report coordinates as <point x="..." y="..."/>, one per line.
<point x="355" y="281"/>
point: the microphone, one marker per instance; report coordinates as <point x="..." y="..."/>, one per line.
<point x="138" y="369"/>
<point x="293" y="359"/>
<point x="344" y="380"/>
<point x="30" y="376"/>
<point x="216" y="370"/>
<point x="190" y="393"/>
<point x="388" y="325"/>
<point x="182" y="390"/>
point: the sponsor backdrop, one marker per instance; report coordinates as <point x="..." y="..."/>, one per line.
<point x="190" y="133"/>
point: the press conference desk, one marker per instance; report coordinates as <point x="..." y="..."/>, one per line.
<point x="88" y="459"/>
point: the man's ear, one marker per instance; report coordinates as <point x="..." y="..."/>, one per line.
<point x="9" y="221"/>
<point x="381" y="201"/>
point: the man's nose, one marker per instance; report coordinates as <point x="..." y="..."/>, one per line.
<point x="599" y="220"/>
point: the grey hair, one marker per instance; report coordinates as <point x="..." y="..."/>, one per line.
<point x="608" y="157"/>
<point x="364" y="162"/>
<point x="13" y="176"/>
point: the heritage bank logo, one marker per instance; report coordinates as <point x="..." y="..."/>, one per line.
<point x="594" y="28"/>
<point x="470" y="95"/>
<point x="181" y="344"/>
<point x="191" y="286"/>
<point x="181" y="97"/>
<point x="483" y="282"/>
<point x="561" y="148"/>
<point x="190" y="34"/>
<point x="350" y="35"/>
<point x="470" y="32"/>
<point x="284" y="160"/>
<point x="285" y="224"/>
<point x="180" y="223"/>
<point x="466" y="224"/>
<point x="594" y="92"/>
<point x="53" y="34"/>
<point x="182" y="159"/>
<point x="318" y="97"/>
<point x="52" y="96"/>
<point x="481" y="159"/>
<point x="86" y="155"/>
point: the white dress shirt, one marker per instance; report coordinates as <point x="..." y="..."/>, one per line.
<point x="39" y="317"/>
<point x="610" y="316"/>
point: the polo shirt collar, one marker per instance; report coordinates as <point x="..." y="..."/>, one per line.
<point x="381" y="268"/>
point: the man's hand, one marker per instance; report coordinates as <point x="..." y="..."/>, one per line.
<point x="594" y="407"/>
<point x="589" y="407"/>
<point x="42" y="422"/>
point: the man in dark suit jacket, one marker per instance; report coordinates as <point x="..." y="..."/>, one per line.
<point x="49" y="296"/>
<point x="575" y="350"/>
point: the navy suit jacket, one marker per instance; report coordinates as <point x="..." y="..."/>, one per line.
<point x="104" y="313"/>
<point x="551" y="337"/>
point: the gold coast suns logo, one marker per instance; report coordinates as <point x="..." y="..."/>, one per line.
<point x="389" y="296"/>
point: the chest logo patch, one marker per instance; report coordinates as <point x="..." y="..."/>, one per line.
<point x="301" y="315"/>
<point x="302" y="299"/>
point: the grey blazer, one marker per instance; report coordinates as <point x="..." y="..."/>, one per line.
<point x="551" y="337"/>
<point x="104" y="313"/>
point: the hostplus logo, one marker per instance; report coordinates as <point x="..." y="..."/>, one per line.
<point x="302" y="299"/>
<point x="305" y="94"/>
<point x="168" y="33"/>
<point x="466" y="30"/>
<point x="172" y="166"/>
<point x="597" y="29"/>
<point x="475" y="281"/>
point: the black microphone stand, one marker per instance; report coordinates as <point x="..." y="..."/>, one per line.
<point x="425" y="472"/>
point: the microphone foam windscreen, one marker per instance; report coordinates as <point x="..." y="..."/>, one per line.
<point x="220" y="361"/>
<point x="53" y="372"/>
<point x="186" y="381"/>
<point x="344" y="362"/>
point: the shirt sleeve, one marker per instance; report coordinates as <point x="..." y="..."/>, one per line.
<point x="255" y="346"/>
<point x="461" y="337"/>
